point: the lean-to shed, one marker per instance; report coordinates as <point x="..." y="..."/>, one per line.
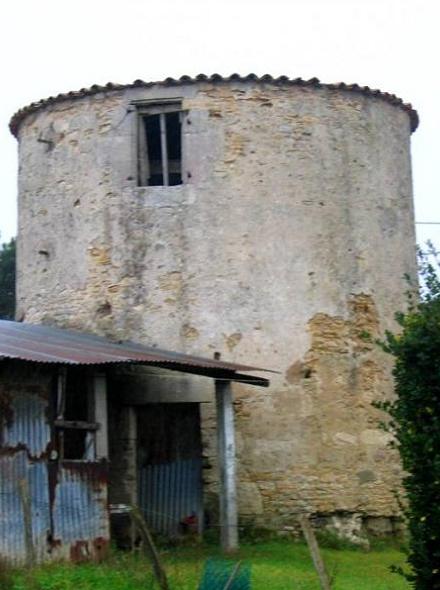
<point x="54" y="438"/>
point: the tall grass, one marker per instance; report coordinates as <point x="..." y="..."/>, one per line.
<point x="276" y="565"/>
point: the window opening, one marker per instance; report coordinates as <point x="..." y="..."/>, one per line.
<point x="160" y="146"/>
<point x="76" y="433"/>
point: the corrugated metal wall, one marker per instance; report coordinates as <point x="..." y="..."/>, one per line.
<point x="170" y="493"/>
<point x="68" y="500"/>
<point x="25" y="437"/>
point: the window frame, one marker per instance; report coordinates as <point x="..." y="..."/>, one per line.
<point x="145" y="109"/>
<point x="61" y="425"/>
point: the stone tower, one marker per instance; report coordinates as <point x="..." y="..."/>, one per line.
<point x="268" y="219"/>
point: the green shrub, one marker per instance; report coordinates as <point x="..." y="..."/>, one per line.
<point x="415" y="423"/>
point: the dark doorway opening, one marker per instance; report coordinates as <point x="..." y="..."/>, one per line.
<point x="170" y="467"/>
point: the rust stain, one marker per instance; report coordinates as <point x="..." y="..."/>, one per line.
<point x="93" y="473"/>
<point x="96" y="550"/>
<point x="100" y="548"/>
<point x="80" y="552"/>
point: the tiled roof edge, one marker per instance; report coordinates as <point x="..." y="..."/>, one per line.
<point x="18" y="117"/>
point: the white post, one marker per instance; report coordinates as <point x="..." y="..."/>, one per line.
<point x="100" y="409"/>
<point x="226" y="460"/>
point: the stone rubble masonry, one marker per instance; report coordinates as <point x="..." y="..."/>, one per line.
<point x="285" y="247"/>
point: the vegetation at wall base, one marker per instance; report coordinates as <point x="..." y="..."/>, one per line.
<point x="415" y="423"/>
<point x="275" y="565"/>
<point x="7" y="280"/>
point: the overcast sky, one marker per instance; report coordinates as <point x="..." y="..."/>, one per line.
<point x="52" y="46"/>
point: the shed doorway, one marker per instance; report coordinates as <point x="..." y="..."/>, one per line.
<point x="169" y="453"/>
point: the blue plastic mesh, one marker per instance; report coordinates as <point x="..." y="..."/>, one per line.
<point x="218" y="571"/>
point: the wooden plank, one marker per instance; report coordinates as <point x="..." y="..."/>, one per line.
<point x="164" y="149"/>
<point x="76" y="424"/>
<point x="100" y="415"/>
<point x="318" y="562"/>
<point x="61" y="405"/>
<point x="226" y="459"/>
<point x="132" y="444"/>
<point x="232" y="577"/>
<point x="25" y="497"/>
<point x="160" y="108"/>
<point x="150" y="547"/>
<point x="61" y="392"/>
<point x="142" y="152"/>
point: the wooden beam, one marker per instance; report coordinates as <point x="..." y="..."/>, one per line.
<point x="142" y="153"/>
<point x="100" y="415"/>
<point x="150" y="548"/>
<point x="76" y="424"/>
<point x="318" y="562"/>
<point x="25" y="497"/>
<point x="226" y="460"/>
<point x="132" y="442"/>
<point x="164" y="149"/>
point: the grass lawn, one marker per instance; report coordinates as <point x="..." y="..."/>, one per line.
<point x="276" y="565"/>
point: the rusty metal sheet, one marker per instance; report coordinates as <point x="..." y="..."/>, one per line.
<point x="27" y="426"/>
<point x="55" y="345"/>
<point x="68" y="499"/>
<point x="12" y="542"/>
<point x="14" y="468"/>
<point x="80" y="511"/>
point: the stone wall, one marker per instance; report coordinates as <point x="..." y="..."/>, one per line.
<point x="287" y="243"/>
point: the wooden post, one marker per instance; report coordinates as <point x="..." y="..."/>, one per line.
<point x="318" y="562"/>
<point x="226" y="461"/>
<point x="164" y="149"/>
<point x="150" y="547"/>
<point x="100" y="411"/>
<point x="25" y="496"/>
<point x="131" y="474"/>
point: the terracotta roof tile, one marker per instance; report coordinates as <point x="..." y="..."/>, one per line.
<point x="214" y="79"/>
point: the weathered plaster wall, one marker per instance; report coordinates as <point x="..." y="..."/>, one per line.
<point x="288" y="241"/>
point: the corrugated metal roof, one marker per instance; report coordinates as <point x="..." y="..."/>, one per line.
<point x="44" y="344"/>
<point x="214" y="79"/>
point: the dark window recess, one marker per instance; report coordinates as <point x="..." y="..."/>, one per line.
<point x="160" y="149"/>
<point x="76" y="434"/>
<point x="168" y="433"/>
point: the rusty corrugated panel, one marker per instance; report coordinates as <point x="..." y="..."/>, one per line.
<point x="80" y="513"/>
<point x="28" y="426"/>
<point x="25" y="435"/>
<point x="15" y="467"/>
<point x="68" y="500"/>
<point x="55" y="345"/>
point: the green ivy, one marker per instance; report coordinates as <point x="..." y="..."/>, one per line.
<point x="415" y="423"/>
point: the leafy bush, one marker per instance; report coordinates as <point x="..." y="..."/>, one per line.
<point x="7" y="280"/>
<point x="415" y="422"/>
